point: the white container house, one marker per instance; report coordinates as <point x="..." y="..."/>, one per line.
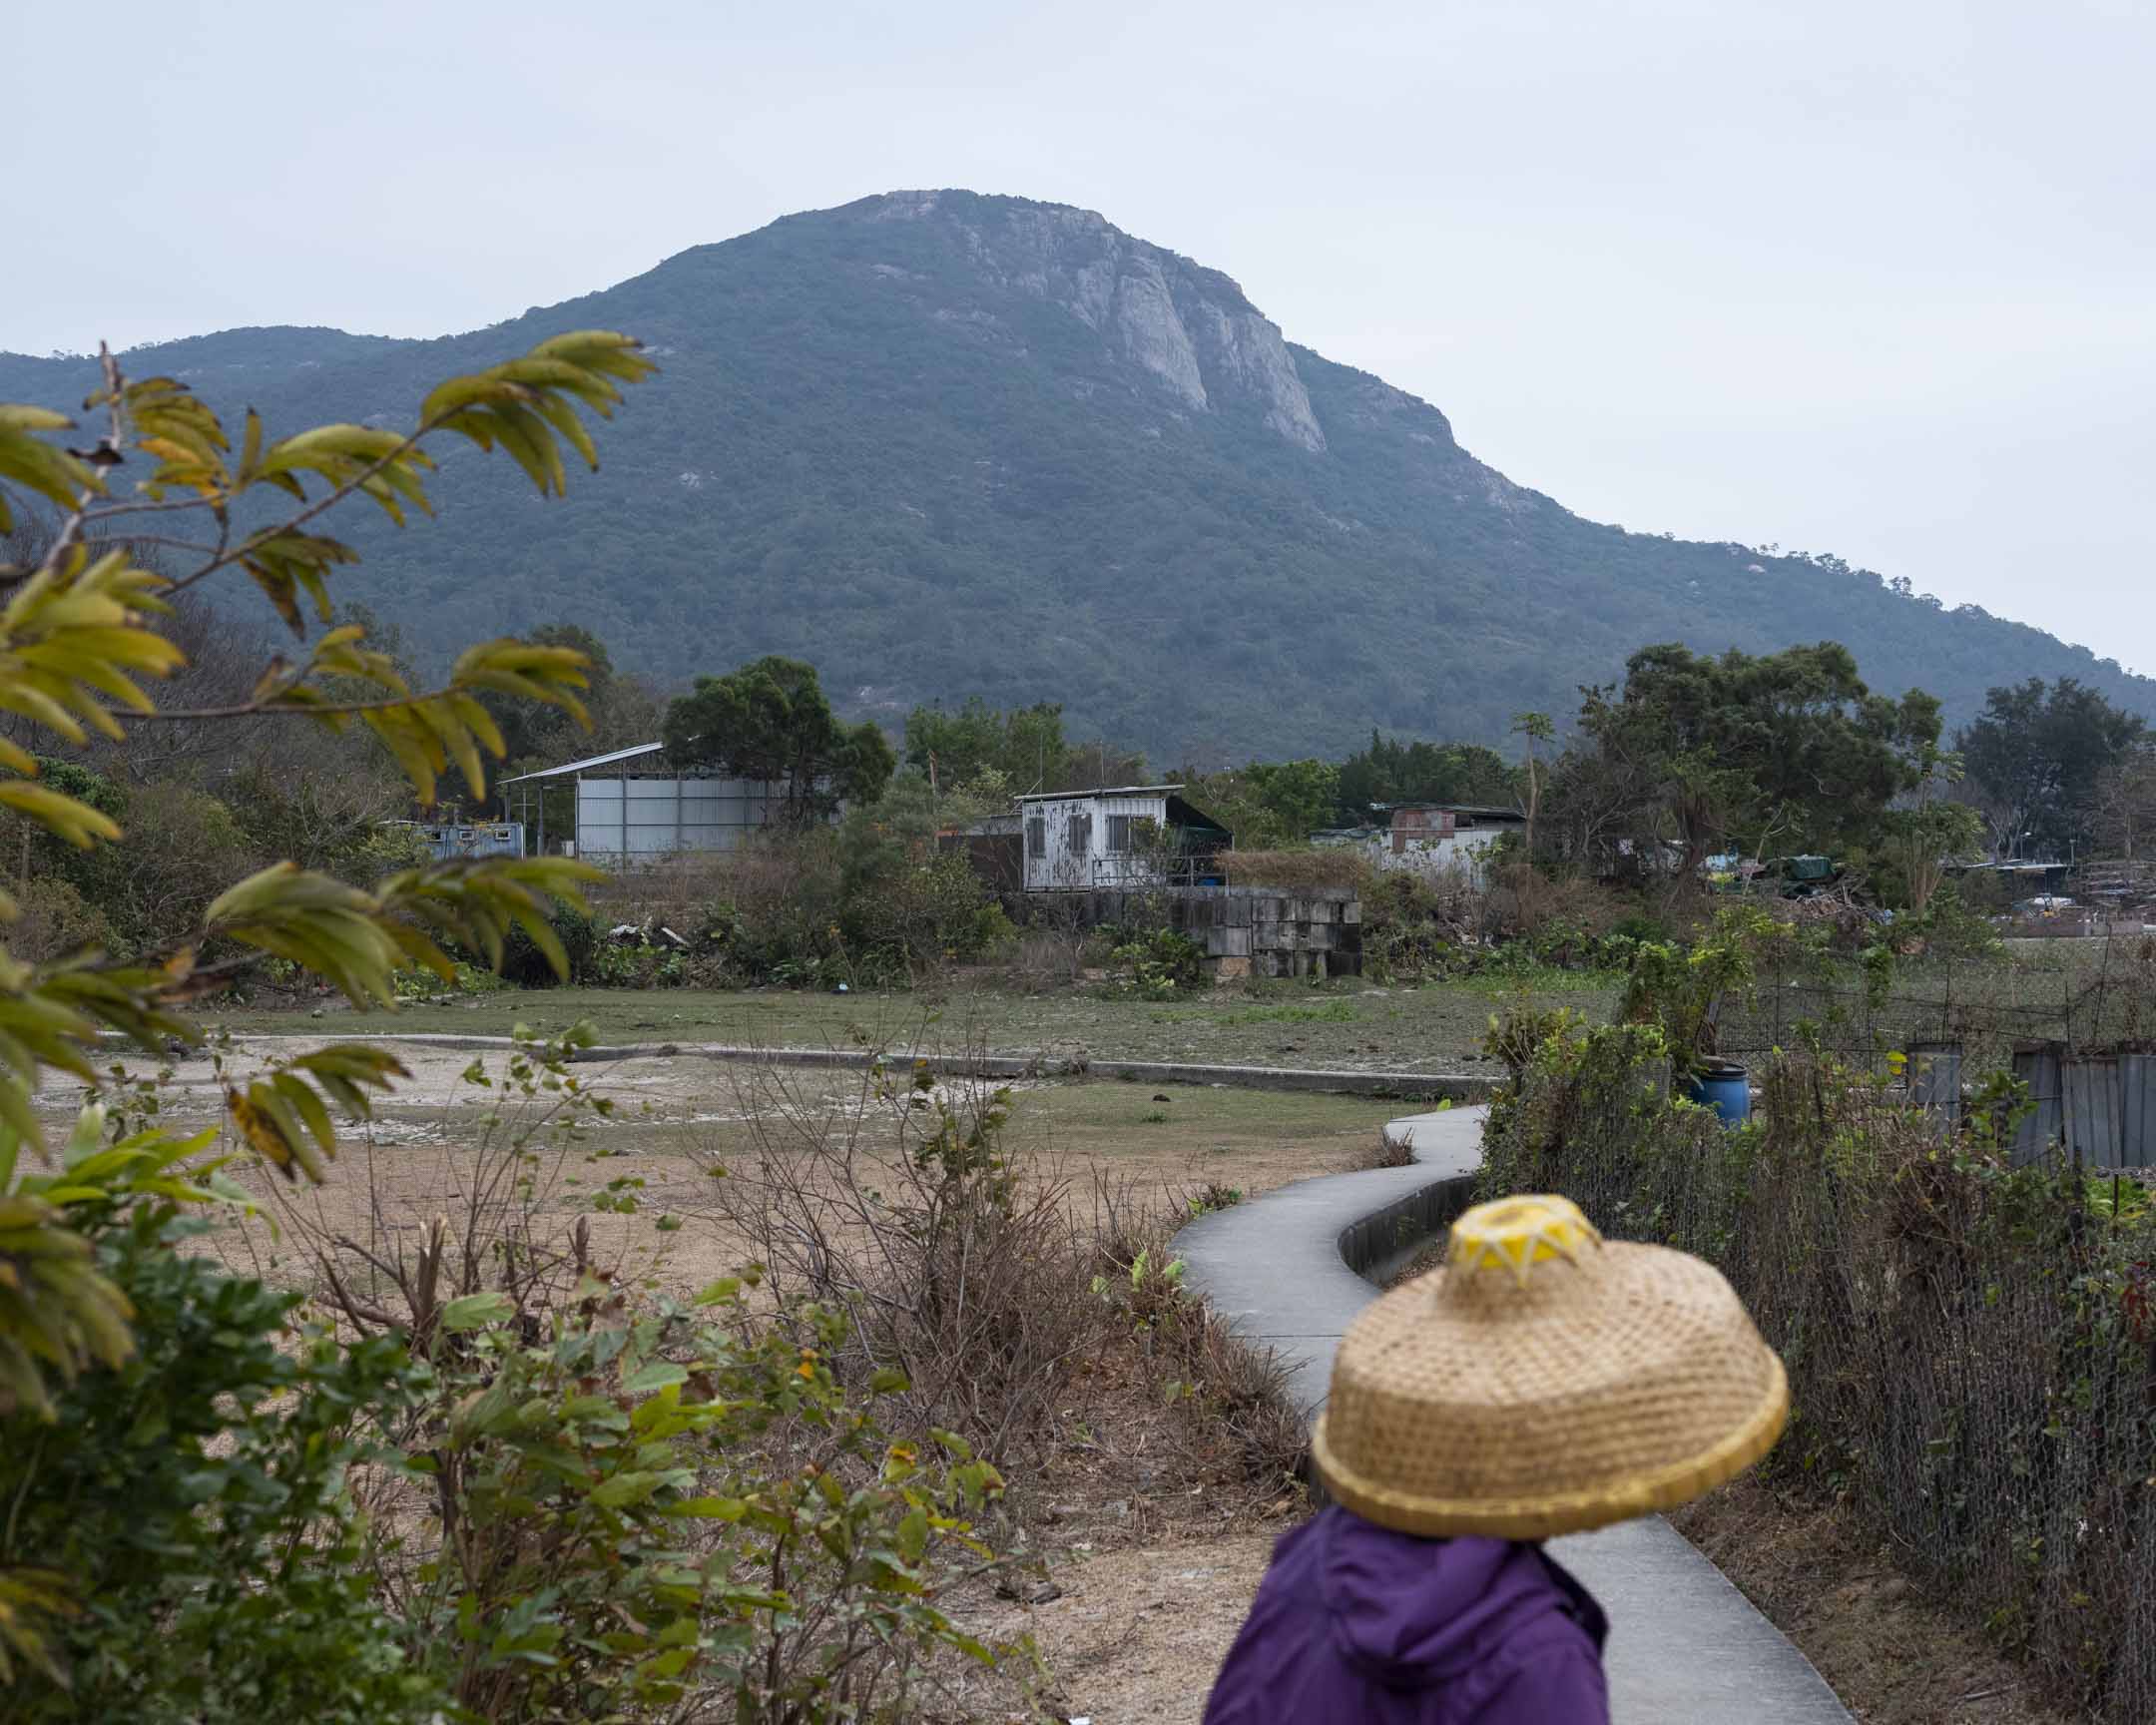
<point x="1132" y="835"/>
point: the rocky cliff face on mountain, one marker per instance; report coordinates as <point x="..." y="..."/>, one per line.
<point x="942" y="443"/>
<point x="1190" y="328"/>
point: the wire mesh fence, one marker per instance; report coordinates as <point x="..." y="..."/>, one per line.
<point x="2097" y="993"/>
<point x="1972" y="1347"/>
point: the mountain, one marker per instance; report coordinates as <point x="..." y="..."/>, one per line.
<point x="941" y="443"/>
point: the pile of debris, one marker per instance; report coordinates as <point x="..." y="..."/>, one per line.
<point x="649" y="933"/>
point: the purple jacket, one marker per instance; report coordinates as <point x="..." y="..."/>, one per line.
<point x="1355" y="1624"/>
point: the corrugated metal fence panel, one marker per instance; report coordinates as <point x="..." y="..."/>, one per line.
<point x="2044" y="1125"/>
<point x="663" y="816"/>
<point x="2137" y="1110"/>
<point x="2092" y="1110"/>
<point x="599" y="817"/>
<point x="1936" y="1079"/>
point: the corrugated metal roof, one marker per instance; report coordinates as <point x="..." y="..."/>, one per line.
<point x="627" y="753"/>
<point x="1106" y="791"/>
<point x="1485" y="810"/>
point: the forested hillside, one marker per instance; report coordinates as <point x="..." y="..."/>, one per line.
<point x="939" y="443"/>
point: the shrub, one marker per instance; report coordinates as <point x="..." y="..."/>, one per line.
<point x="967" y="1265"/>
<point x="1157" y="965"/>
<point x="914" y="917"/>
<point x="615" y="1505"/>
<point x="191" y="1504"/>
<point x="1418" y="928"/>
<point x="1305" y="867"/>
<point x="526" y="965"/>
<point x="213" y="1555"/>
<point x="56" y="919"/>
<point x="648" y="1503"/>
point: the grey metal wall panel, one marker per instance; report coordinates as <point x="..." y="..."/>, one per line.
<point x="2137" y="1110"/>
<point x="1936" y="1079"/>
<point x="657" y="817"/>
<point x="2044" y="1125"/>
<point x="2092" y="1110"/>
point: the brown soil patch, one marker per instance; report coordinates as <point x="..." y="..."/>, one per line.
<point x="1137" y="1636"/>
<point x="1156" y="1535"/>
<point x="1893" y="1655"/>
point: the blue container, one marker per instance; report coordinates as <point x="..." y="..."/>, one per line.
<point x="1721" y="1086"/>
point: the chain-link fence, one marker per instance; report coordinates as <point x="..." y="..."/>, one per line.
<point x="1971" y="1349"/>
<point x="2079" y="993"/>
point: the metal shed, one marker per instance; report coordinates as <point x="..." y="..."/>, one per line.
<point x="624" y="812"/>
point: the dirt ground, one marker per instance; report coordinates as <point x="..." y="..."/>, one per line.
<point x="642" y="1180"/>
<point x="1137" y="1635"/>
<point x="1895" y="1657"/>
<point x="1156" y="1536"/>
<point x="1139" y="1631"/>
<point x="1150" y="1531"/>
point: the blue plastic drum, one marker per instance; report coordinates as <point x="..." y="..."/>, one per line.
<point x="1724" y="1087"/>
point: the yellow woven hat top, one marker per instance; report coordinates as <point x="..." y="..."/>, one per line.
<point x="1544" y="1381"/>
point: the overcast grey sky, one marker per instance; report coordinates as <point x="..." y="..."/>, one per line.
<point x="1873" y="278"/>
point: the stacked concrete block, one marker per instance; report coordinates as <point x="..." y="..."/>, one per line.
<point x="1245" y="931"/>
<point x="1272" y="931"/>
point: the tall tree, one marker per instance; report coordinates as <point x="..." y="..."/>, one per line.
<point x="1389" y="771"/>
<point x="2036" y="754"/>
<point x="1929" y="827"/>
<point x="1784" y="748"/>
<point x="1535" y="728"/>
<point x="2124" y="814"/>
<point x="769" y="721"/>
<point x="1023" y="744"/>
<point x="1267" y="804"/>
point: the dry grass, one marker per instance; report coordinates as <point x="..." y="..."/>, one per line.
<point x="996" y="1274"/>
<point x="1294" y="868"/>
<point x="1094" y="1397"/>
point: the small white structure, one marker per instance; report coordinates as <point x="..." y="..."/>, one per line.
<point x="623" y="815"/>
<point x="1438" y="838"/>
<point x="1132" y="835"/>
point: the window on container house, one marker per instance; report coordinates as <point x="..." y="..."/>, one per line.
<point x="1119" y="835"/>
<point x="1081" y="834"/>
<point x="1036" y="836"/>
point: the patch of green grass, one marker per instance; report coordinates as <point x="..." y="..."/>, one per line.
<point x="1543" y="979"/>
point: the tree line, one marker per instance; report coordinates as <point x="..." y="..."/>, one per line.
<point x="1694" y="754"/>
<point x="1689" y="757"/>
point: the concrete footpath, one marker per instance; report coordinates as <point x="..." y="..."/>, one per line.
<point x="1288" y="1268"/>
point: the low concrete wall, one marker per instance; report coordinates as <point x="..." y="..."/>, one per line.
<point x="1246" y="930"/>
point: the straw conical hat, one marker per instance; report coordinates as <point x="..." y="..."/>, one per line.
<point x="1544" y="1381"/>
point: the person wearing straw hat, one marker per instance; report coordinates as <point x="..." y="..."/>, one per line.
<point x="1542" y="1381"/>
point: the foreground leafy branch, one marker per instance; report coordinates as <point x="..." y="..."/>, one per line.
<point x="82" y="644"/>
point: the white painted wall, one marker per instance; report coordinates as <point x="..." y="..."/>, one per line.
<point x="1469" y="851"/>
<point x="1057" y="859"/>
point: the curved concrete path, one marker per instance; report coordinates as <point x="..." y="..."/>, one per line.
<point x="1685" y="1646"/>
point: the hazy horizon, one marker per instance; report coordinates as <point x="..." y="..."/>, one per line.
<point x="1873" y="284"/>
